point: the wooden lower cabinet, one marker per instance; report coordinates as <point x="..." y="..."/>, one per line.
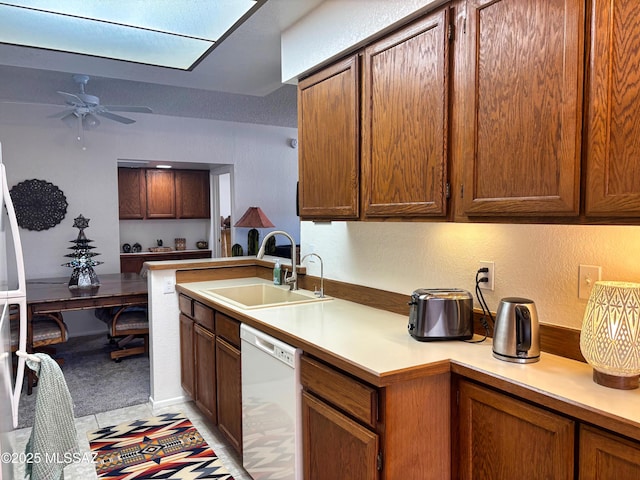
<point x="353" y="430"/>
<point x="334" y="446"/>
<point x="210" y="366"/>
<point x="187" y="356"/>
<point x="229" y="392"/>
<point x="604" y="456"/>
<point x="502" y="438"/>
<point x="205" y="371"/>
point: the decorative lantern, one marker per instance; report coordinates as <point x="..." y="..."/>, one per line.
<point x="610" y="336"/>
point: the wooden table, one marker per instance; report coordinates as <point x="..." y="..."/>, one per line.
<point x="52" y="295"/>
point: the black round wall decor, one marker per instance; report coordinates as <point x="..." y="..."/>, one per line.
<point x="39" y="205"/>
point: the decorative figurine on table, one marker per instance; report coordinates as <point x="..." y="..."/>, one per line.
<point x="83" y="275"/>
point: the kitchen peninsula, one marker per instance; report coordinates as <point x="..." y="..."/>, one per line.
<point x="418" y="388"/>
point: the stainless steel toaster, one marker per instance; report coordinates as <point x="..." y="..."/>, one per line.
<point x="441" y="314"/>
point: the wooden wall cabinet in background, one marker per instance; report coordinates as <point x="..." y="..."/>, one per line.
<point x="165" y="194"/>
<point x="161" y="194"/>
<point x="132" y="193"/>
<point x="192" y="194"/>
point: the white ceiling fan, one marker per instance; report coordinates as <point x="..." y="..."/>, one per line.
<point x="84" y="109"/>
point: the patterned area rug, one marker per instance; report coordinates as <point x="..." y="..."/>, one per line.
<point x="167" y="446"/>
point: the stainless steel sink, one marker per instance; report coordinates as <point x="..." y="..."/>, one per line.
<point x="261" y="295"/>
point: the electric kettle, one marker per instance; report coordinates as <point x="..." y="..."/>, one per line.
<point x="516" y="337"/>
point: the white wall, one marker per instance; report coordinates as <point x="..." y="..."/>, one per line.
<point x="35" y="146"/>
<point x="147" y="232"/>
<point x="338" y="25"/>
<point x="539" y="262"/>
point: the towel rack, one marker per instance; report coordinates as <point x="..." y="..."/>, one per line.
<point x="28" y="356"/>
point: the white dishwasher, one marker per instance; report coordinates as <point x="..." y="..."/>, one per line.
<point x="271" y="421"/>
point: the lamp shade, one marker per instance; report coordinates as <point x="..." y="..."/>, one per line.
<point x="610" y="336"/>
<point x="254" y="217"/>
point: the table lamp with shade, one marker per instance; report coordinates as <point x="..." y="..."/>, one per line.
<point x="253" y="218"/>
<point x="610" y="335"/>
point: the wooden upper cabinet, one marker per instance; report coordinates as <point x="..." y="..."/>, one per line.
<point x="192" y="194"/>
<point x="132" y="193"/>
<point x="328" y="130"/>
<point x="161" y="194"/>
<point x="523" y="107"/>
<point x="612" y="128"/>
<point x="405" y="116"/>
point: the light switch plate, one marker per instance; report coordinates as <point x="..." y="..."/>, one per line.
<point x="169" y="286"/>
<point x="587" y="276"/>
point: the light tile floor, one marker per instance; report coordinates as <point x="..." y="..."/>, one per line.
<point x="86" y="470"/>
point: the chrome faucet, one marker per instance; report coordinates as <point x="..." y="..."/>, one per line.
<point x="321" y="292"/>
<point x="292" y="280"/>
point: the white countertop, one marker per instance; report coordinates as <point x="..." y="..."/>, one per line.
<point x="377" y="342"/>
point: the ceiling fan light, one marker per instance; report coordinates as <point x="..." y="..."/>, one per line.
<point x="70" y="120"/>
<point x="90" y="121"/>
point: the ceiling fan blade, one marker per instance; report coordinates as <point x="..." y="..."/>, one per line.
<point x="125" y="108"/>
<point x="72" y="98"/>
<point x="117" y="118"/>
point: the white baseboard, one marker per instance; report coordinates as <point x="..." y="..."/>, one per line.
<point x="168" y="402"/>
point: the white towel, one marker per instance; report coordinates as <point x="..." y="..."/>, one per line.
<point x="54" y="440"/>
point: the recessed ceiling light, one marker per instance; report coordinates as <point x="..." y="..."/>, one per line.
<point x="164" y="166"/>
<point x="168" y="33"/>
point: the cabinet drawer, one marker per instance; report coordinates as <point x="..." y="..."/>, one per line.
<point x="186" y="305"/>
<point x="228" y="328"/>
<point x="203" y="315"/>
<point x="346" y="393"/>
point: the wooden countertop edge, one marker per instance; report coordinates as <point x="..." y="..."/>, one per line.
<point x="564" y="406"/>
<point x="207" y="263"/>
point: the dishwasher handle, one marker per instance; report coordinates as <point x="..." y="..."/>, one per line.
<point x="265" y="345"/>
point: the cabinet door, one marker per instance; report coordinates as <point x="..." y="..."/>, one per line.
<point x="405" y="116"/>
<point x="523" y="100"/>
<point x="501" y="438"/>
<point x="192" y="194"/>
<point x="335" y="446"/>
<point x="131" y="264"/>
<point x="606" y="457"/>
<point x="229" y="392"/>
<point x="328" y="150"/>
<point x="132" y="195"/>
<point x="613" y="150"/>
<point x="205" y="371"/>
<point x="161" y="194"/>
<point x="187" y="355"/>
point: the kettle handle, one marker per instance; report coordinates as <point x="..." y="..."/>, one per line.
<point x="523" y="328"/>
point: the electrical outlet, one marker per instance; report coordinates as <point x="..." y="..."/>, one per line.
<point x="587" y="276"/>
<point x="490" y="275"/>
